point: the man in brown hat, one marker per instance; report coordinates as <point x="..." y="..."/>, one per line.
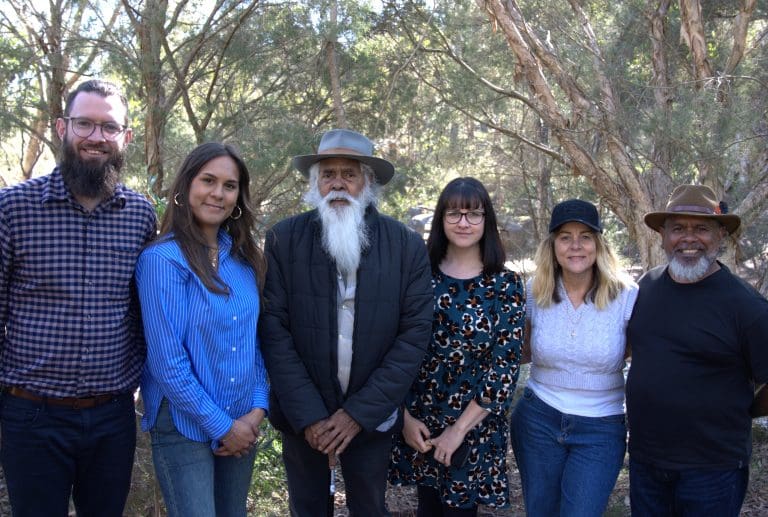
<point x="345" y="324"/>
<point x="699" y="338"/>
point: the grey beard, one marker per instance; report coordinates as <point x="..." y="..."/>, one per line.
<point x="693" y="273"/>
<point x="345" y="234"/>
<point x="90" y="181"/>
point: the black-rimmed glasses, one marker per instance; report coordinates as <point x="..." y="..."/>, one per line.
<point x="473" y="217"/>
<point x="84" y="127"/>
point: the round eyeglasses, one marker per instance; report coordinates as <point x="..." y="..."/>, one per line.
<point x="473" y="216"/>
<point x="84" y="127"/>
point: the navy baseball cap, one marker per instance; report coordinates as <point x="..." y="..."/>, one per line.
<point x="575" y="210"/>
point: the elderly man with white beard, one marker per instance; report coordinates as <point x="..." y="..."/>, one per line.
<point x="699" y="338"/>
<point x="346" y="320"/>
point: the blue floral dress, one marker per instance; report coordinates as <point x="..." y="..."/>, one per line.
<point x="474" y="355"/>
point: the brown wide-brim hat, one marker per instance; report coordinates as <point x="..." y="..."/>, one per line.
<point x="694" y="201"/>
<point x="345" y="143"/>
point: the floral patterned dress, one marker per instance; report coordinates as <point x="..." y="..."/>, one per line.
<point x="474" y="355"/>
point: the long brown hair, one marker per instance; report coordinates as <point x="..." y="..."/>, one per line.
<point x="179" y="221"/>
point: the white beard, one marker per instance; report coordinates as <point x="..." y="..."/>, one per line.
<point x="345" y="235"/>
<point x="690" y="273"/>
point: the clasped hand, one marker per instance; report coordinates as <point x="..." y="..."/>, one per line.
<point x="333" y="434"/>
<point x="416" y="435"/>
<point x="243" y="436"/>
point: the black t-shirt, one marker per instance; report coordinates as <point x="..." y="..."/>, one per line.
<point x="697" y="350"/>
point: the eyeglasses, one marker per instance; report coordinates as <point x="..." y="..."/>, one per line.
<point x="84" y="128"/>
<point x="473" y="216"/>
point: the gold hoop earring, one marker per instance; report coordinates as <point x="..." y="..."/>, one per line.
<point x="239" y="214"/>
<point x="176" y="199"/>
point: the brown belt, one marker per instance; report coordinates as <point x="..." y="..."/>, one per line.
<point x="71" y="402"/>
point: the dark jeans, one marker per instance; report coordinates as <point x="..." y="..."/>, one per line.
<point x="51" y="452"/>
<point x="364" y="466"/>
<point x="656" y="492"/>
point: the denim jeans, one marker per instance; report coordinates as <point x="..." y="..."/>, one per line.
<point x="195" y="482"/>
<point x="568" y="464"/>
<point x="51" y="452"/>
<point x="656" y="492"/>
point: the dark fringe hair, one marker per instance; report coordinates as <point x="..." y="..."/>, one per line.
<point x="466" y="194"/>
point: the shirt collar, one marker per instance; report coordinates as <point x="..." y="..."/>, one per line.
<point x="225" y="241"/>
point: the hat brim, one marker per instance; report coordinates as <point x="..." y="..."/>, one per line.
<point x="382" y="169"/>
<point x="655" y="220"/>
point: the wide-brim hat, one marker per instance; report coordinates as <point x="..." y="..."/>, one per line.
<point x="575" y="211"/>
<point x="694" y="201"/>
<point x="345" y="143"/>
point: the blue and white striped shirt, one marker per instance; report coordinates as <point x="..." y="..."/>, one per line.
<point x="69" y="323"/>
<point x="202" y="349"/>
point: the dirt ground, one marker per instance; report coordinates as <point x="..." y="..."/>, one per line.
<point x="401" y="501"/>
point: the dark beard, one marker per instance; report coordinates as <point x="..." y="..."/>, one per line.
<point x="95" y="181"/>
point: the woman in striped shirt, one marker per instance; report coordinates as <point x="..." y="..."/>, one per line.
<point x="204" y="386"/>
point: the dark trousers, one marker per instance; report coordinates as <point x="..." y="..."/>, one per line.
<point x="364" y="466"/>
<point x="51" y="452"/>
<point x="657" y="492"/>
<point x="430" y="505"/>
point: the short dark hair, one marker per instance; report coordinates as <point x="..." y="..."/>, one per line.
<point x="466" y="193"/>
<point x="103" y="88"/>
<point x="179" y="221"/>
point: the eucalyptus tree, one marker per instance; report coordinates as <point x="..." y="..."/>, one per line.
<point x="627" y="97"/>
<point x="48" y="46"/>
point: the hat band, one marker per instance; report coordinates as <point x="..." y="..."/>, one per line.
<point x="692" y="208"/>
<point x="341" y="150"/>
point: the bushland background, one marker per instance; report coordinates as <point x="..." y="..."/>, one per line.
<point x="615" y="102"/>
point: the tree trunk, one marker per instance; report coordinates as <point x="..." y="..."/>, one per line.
<point x="333" y="69"/>
<point x="150" y="27"/>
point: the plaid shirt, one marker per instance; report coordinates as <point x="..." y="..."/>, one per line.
<point x="69" y="317"/>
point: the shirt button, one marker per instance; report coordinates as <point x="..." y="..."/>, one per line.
<point x="231" y="379"/>
<point x="227" y="408"/>
<point x="234" y="318"/>
<point x="234" y="349"/>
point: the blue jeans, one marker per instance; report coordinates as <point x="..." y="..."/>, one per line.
<point x="51" y="452"/>
<point x="656" y="492"/>
<point x="568" y="464"/>
<point x="193" y="480"/>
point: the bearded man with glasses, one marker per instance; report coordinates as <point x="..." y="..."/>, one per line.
<point x="71" y="346"/>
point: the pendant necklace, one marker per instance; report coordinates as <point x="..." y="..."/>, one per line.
<point x="213" y="256"/>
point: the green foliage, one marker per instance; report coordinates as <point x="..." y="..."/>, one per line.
<point x="268" y="485"/>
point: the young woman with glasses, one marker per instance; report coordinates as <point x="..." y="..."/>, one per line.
<point x="454" y="441"/>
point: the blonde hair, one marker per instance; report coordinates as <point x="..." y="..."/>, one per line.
<point x="607" y="282"/>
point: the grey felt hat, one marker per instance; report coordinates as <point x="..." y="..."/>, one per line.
<point x="345" y="143"/>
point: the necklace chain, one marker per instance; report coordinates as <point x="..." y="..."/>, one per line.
<point x="574" y="317"/>
<point x="213" y="256"/>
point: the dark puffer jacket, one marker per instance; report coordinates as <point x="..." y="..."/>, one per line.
<point x="298" y="323"/>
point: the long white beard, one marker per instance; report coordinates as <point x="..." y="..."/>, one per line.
<point x="690" y="273"/>
<point x="345" y="235"/>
